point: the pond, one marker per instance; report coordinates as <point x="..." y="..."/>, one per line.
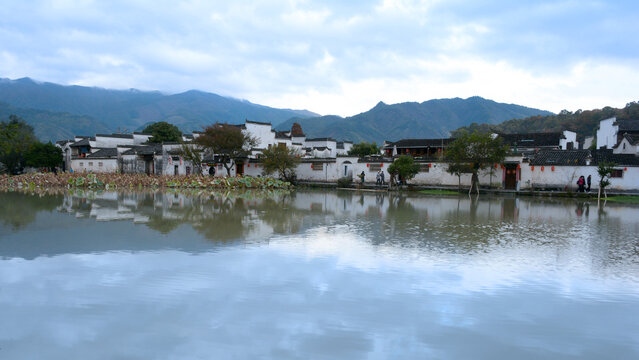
<point x="315" y="275"/>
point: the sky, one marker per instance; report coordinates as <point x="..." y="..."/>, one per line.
<point x="335" y="56"/>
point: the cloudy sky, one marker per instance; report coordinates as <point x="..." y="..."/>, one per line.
<point x="335" y="56"/>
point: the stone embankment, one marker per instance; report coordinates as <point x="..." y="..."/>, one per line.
<point x="135" y="181"/>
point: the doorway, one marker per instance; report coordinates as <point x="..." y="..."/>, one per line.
<point x="510" y="178"/>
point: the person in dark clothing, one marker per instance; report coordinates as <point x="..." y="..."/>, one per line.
<point x="362" y="176"/>
<point x="589" y="182"/>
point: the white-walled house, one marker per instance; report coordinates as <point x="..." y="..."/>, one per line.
<point x="611" y="132"/>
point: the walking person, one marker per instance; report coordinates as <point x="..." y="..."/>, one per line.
<point x="362" y="176"/>
<point x="382" y="175"/>
<point x="581" y="183"/>
<point x="378" y="178"/>
<point x="589" y="182"/>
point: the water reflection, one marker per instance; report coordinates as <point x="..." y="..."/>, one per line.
<point x="316" y="274"/>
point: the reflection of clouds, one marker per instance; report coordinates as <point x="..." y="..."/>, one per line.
<point x="273" y="301"/>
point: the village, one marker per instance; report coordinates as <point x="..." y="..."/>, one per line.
<point x="535" y="161"/>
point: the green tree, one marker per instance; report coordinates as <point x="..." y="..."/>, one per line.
<point x="162" y="131"/>
<point x="364" y="149"/>
<point x="604" y="169"/>
<point x="280" y="160"/>
<point x="16" y="138"/>
<point x="227" y="142"/>
<point x="473" y="152"/>
<point x="43" y="155"/>
<point x="405" y="167"/>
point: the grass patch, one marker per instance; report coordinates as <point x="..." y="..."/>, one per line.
<point x="439" y="192"/>
<point x="630" y="199"/>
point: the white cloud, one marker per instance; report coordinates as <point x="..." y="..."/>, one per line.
<point x="333" y="57"/>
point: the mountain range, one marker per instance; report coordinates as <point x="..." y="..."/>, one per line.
<point x="103" y="110"/>
<point x="429" y="119"/>
<point x="59" y="112"/>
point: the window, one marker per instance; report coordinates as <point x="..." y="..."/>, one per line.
<point x="90" y="163"/>
<point x="374" y="167"/>
<point x="81" y="163"/>
<point x="617" y="173"/>
<point x="424" y="167"/>
<point x="100" y="164"/>
<point x="317" y="167"/>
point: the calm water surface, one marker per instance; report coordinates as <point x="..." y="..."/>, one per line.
<point x="316" y="275"/>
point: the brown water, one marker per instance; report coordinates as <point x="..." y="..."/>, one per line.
<point x="316" y="274"/>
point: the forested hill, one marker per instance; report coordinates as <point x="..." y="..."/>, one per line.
<point x="53" y="126"/>
<point x="429" y="119"/>
<point x="584" y="123"/>
<point x="131" y="109"/>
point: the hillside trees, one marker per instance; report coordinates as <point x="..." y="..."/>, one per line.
<point x="472" y="152"/>
<point x="227" y="142"/>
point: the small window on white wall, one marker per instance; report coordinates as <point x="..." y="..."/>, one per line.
<point x="100" y="164"/>
<point x="90" y="163"/>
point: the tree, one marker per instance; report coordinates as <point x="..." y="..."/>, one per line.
<point x="162" y="131"/>
<point x="16" y="138"/>
<point x="227" y="142"/>
<point x="474" y="152"/>
<point x="405" y="167"/>
<point x="604" y="169"/>
<point x="282" y="160"/>
<point x="43" y="155"/>
<point x="364" y="149"/>
<point x="193" y="154"/>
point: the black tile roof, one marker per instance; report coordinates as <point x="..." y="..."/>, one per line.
<point x="83" y="142"/>
<point x="120" y="136"/>
<point x="257" y="122"/>
<point x="628" y="125"/>
<point x="533" y="139"/>
<point x="606" y="155"/>
<point x="282" y="135"/>
<point x="144" y="150"/>
<point x="578" y="158"/>
<point x="633" y="139"/>
<point x="104" y="153"/>
<point x="321" y="139"/>
<point x="561" y="157"/>
<point x="420" y="143"/>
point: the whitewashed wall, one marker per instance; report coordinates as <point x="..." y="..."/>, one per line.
<point x="111" y="142"/>
<point x="262" y="132"/>
<point x="93" y="165"/>
<point x="607" y="133"/>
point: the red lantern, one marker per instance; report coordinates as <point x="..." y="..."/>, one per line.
<point x="518" y="166"/>
<point x="625" y="169"/>
<point x="367" y="165"/>
<point x="542" y="168"/>
<point x="311" y="166"/>
<point x="495" y="166"/>
<point x="248" y="165"/>
<point x="429" y="165"/>
<point x="382" y="165"/>
<point x="532" y="168"/>
<point x="552" y="168"/>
